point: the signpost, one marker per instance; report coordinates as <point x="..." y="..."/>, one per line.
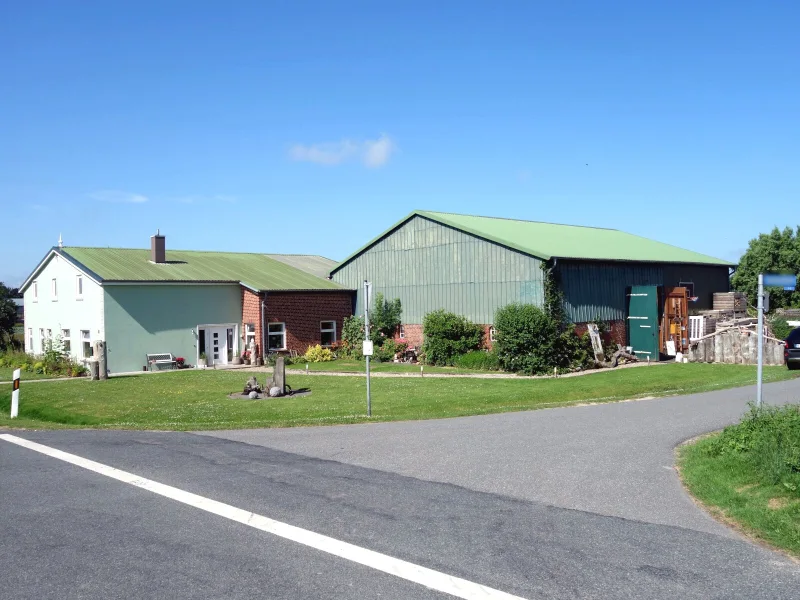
<point x="15" y="395"/>
<point x="367" y="348"/>
<point x="781" y="280"/>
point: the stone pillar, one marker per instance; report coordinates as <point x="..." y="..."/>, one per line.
<point x="280" y="374"/>
<point x="94" y="369"/>
<point x="100" y="355"/>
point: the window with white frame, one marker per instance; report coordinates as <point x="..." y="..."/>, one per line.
<point x="86" y="343"/>
<point x="35" y="291"/>
<point x="492" y="334"/>
<point x="402" y="332"/>
<point x="41" y="339"/>
<point x="249" y="335"/>
<point x="276" y="336"/>
<point x="79" y="287"/>
<point x="54" y="290"/>
<point x="30" y="339"/>
<point x="66" y="341"/>
<point x="327" y="332"/>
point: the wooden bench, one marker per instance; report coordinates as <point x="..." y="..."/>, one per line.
<point x="161" y="360"/>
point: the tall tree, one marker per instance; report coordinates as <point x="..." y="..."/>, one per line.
<point x="773" y="252"/>
<point x="8" y="316"/>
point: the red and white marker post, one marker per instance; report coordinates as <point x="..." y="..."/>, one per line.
<point x="15" y="396"/>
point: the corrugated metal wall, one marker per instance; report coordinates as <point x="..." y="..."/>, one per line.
<point x="707" y="280"/>
<point x="430" y="266"/>
<point x="595" y="290"/>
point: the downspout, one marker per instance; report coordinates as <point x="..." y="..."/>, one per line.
<point x="263" y="329"/>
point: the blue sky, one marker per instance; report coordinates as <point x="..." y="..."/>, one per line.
<point x="310" y="127"/>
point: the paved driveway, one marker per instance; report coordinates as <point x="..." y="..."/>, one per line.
<point x="568" y="503"/>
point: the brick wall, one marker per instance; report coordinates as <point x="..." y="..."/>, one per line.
<point x="617" y="335"/>
<point x="414" y="336"/>
<point x="251" y="313"/>
<point x="302" y="313"/>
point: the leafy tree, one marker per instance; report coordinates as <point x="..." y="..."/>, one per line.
<point x="526" y="339"/>
<point x="8" y="317"/>
<point x="770" y="253"/>
<point x="384" y="319"/>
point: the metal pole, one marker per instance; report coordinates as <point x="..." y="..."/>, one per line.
<point x="760" y="308"/>
<point x="366" y="334"/>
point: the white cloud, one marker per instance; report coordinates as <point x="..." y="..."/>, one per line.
<point x="371" y="153"/>
<point x="118" y="197"/>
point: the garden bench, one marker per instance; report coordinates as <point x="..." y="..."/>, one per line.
<point x="160" y="360"/>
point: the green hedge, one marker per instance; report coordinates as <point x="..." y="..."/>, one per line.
<point x="449" y="336"/>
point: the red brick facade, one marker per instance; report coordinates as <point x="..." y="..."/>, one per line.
<point x="301" y="313"/>
<point x="413" y="336"/>
<point x="617" y="334"/>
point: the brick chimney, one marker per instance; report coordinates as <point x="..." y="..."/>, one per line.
<point x="158" y="248"/>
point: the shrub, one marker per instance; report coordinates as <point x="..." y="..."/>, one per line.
<point x="384" y="319"/>
<point x="478" y="360"/>
<point x="352" y="336"/>
<point x="448" y="336"/>
<point x="769" y="439"/>
<point x="526" y="339"/>
<point x="388" y="350"/>
<point x="318" y="354"/>
<point x="780" y="328"/>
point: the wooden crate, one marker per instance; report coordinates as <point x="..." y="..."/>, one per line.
<point x="730" y="301"/>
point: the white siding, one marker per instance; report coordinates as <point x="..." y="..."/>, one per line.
<point x="68" y="311"/>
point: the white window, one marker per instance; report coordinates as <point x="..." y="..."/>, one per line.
<point x="79" y="287"/>
<point x="54" y="290"/>
<point x="249" y="335"/>
<point x="35" y="291"/>
<point x="66" y="341"/>
<point x="276" y="336"/>
<point x="402" y="332"/>
<point x="491" y="334"/>
<point x="41" y="339"/>
<point x="327" y="332"/>
<point x="86" y="339"/>
<point x="30" y="339"/>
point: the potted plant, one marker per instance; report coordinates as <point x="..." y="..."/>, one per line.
<point x="202" y="363"/>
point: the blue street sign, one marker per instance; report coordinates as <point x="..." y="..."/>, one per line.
<point x="781" y="280"/>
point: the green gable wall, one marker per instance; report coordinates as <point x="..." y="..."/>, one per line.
<point x="144" y="319"/>
<point x="430" y="266"/>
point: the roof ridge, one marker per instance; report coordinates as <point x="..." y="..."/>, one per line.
<point x="264" y="254"/>
<point x="436" y="212"/>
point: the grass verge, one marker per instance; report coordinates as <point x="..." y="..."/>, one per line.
<point x="187" y="400"/>
<point x="749" y="475"/>
<point x="6" y="373"/>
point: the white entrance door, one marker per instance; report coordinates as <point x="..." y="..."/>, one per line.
<point x="217" y="342"/>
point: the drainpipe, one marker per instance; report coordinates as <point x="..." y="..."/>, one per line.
<point x="263" y="329"/>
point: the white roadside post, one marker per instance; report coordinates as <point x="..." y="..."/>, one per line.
<point x="15" y="395"/>
<point x="367" y="349"/>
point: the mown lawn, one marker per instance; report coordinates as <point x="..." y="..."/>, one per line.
<point x="187" y="400"/>
<point x="749" y="476"/>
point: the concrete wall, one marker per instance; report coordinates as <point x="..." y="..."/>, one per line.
<point x="142" y="319"/>
<point x="65" y="311"/>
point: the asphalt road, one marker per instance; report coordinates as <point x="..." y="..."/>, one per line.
<point x="473" y="498"/>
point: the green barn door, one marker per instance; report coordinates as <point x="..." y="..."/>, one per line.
<point x="643" y="321"/>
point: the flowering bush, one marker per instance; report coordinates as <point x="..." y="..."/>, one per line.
<point x="318" y="354"/>
<point x="180" y="361"/>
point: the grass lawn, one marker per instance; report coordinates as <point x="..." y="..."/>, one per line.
<point x="359" y="366"/>
<point x="187" y="400"/>
<point x="731" y="490"/>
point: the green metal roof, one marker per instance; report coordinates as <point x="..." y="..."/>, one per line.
<point x="550" y="240"/>
<point x="310" y="263"/>
<point x="256" y="271"/>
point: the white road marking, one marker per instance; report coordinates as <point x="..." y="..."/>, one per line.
<point x="454" y="586"/>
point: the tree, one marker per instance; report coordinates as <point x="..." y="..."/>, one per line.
<point x="448" y="336"/>
<point x="384" y="319"/>
<point x="774" y="252"/>
<point x="8" y="317"/>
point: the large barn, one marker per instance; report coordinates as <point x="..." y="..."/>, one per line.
<point x="474" y="265"/>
